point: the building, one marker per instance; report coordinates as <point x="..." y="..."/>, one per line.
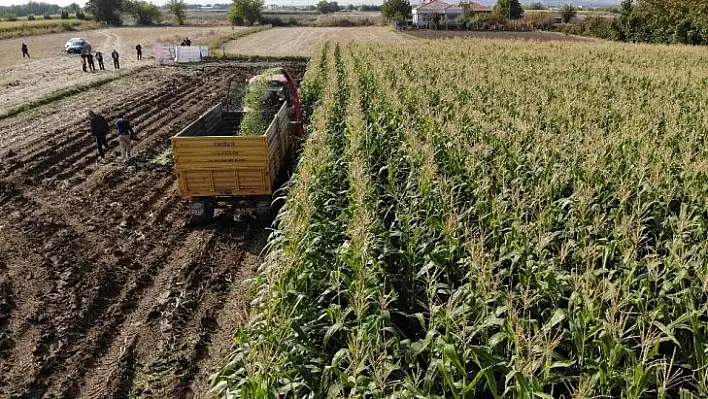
<point x="428" y="11"/>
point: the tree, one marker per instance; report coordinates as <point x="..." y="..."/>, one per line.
<point x="396" y="10"/>
<point x="245" y="11"/>
<point x="467" y="16"/>
<point x="176" y="7"/>
<point x="509" y="9"/>
<point x="351" y="7"/>
<point x="107" y="11"/>
<point x="327" y="7"/>
<point x="536" y="6"/>
<point x="568" y="12"/>
<point x="73" y="8"/>
<point x="144" y="13"/>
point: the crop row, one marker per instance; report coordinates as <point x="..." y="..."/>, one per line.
<point x="487" y="219"/>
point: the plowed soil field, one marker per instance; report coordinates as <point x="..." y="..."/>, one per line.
<point x="105" y="290"/>
<point x="51" y="69"/>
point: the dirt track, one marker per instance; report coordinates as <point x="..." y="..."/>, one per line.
<point x="104" y="291"/>
<point x="50" y="69"/>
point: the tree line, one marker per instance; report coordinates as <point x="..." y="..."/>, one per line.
<point x="649" y="21"/>
<point x="31" y="8"/>
<point x="144" y="13"/>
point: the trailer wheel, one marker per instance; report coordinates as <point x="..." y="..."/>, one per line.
<point x="265" y="212"/>
<point x="201" y="212"/>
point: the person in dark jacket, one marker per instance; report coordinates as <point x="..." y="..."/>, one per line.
<point x="125" y="134"/>
<point x="139" y="50"/>
<point x="91" y="64"/>
<point x="83" y="62"/>
<point x="115" y="56"/>
<point x="99" y="128"/>
<point x="25" y="51"/>
<point x="99" y="58"/>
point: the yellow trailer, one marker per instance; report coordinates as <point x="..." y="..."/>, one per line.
<point x="215" y="166"/>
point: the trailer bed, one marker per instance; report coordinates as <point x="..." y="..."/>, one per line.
<point x="211" y="160"/>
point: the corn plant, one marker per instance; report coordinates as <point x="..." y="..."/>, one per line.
<point x="489" y="219"/>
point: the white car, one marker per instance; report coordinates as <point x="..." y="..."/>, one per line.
<point x="77" y="45"/>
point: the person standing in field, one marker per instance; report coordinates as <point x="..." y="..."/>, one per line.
<point x="91" y="64"/>
<point x="99" y="129"/>
<point x="99" y="58"/>
<point x="125" y="134"/>
<point x="83" y="61"/>
<point x="115" y="57"/>
<point x="25" y="51"/>
<point x="187" y="42"/>
<point x="139" y="50"/>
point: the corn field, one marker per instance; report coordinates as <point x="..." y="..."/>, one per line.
<point x="477" y="219"/>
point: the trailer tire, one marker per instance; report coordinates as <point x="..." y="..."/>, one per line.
<point x="264" y="212"/>
<point x="201" y="212"/>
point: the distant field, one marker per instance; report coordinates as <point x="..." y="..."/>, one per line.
<point x="535" y="35"/>
<point x="303" y="41"/>
<point x="207" y="17"/>
<point x="292" y="17"/>
<point x="49" y="70"/>
<point x="581" y="14"/>
<point x="37" y="22"/>
<point x="10" y="29"/>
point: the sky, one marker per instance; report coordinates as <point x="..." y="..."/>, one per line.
<point x="161" y="2"/>
<point x="298" y="2"/>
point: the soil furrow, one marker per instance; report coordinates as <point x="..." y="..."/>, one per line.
<point x="105" y="291"/>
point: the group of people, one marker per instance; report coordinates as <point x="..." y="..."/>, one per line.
<point x="100" y="128"/>
<point x="186" y="42"/>
<point x="87" y="63"/>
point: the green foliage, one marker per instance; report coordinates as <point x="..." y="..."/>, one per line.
<point x="144" y="13"/>
<point x="245" y="12"/>
<point x="31" y="7"/>
<point x="259" y="106"/>
<point x="568" y="12"/>
<point x="47" y="16"/>
<point x="596" y="26"/>
<point x="327" y="7"/>
<point x="107" y="11"/>
<point x="396" y="10"/>
<point x="510" y="9"/>
<point x="64" y="14"/>
<point x="651" y="21"/>
<point x="80" y="15"/>
<point x="467" y="18"/>
<point x="519" y="237"/>
<point x="31" y="17"/>
<point x="177" y="8"/>
<point x="536" y="6"/>
<point x="488" y="22"/>
<point x="11" y="18"/>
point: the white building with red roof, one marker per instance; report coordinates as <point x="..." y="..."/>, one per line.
<point x="429" y="10"/>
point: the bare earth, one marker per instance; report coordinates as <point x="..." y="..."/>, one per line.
<point x="105" y="292"/>
<point x="50" y="69"/>
<point x="303" y="41"/>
